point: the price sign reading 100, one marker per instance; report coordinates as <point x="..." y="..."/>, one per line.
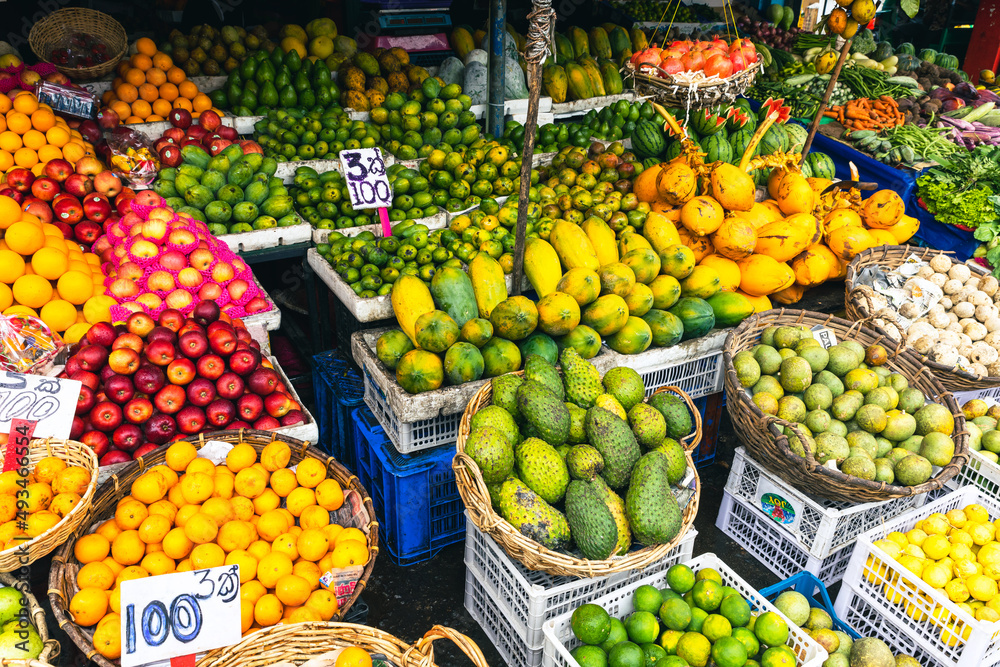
<point x="364" y="171"/>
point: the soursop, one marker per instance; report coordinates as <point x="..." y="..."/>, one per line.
<point x="647" y="424"/>
<point x="584" y="462"/>
<point x="505" y="393"/>
<point x="498" y="418"/>
<point x="542" y="469"/>
<point x="532" y="516"/>
<point x="611" y="436"/>
<point x="626" y="385"/>
<point x="538" y="369"/>
<point x="492" y="452"/>
<point x="590" y="521"/>
<point x="577" y="424"/>
<point x="544" y="412"/>
<point x="581" y="379"/>
<point x="675" y="412"/>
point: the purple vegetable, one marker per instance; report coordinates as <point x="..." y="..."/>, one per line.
<point x="941" y="93"/>
<point x="988" y="96"/>
<point x="959" y="123"/>
<point x="966" y="91"/>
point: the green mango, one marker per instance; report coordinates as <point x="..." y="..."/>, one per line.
<point x="292" y="61"/>
<point x="218" y="212"/>
<point x="240" y="174"/>
<point x="287" y="97"/>
<point x="268" y="95"/>
<point x="277" y="206"/>
<point x="255" y="193"/>
<point x="198" y="196"/>
<point x="245" y="212"/>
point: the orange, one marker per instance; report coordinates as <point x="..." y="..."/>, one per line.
<point x="148" y="92"/>
<point x="141" y="109"/>
<point x="292" y="590"/>
<point x="123" y="67"/>
<point x="122" y="108"/>
<point x="11" y="264"/>
<point x="95" y="575"/>
<point x="18" y="122"/>
<point x="33" y="139"/>
<point x="48" y="152"/>
<point x="32" y="291"/>
<point x="259" y="549"/>
<point x="352" y="656"/>
<point x="6" y="160"/>
<point x="128" y="548"/>
<point x="275" y="455"/>
<point x="352" y="534"/>
<point x="159" y="563"/>
<point x="58" y="314"/>
<point x="91" y="548"/>
<point x="250" y="482"/>
<point x="5" y="103"/>
<point x="247" y="563"/>
<point x="8" y="508"/>
<point x="252" y="590"/>
<point x="310" y="472"/>
<point x="135" y="77"/>
<point x="299" y="499"/>
<point x="183" y="103"/>
<point x="329" y="495"/>
<point x="348" y="553"/>
<point x="115" y="600"/>
<point x="73" y="152"/>
<point x="224" y="486"/>
<point x="314" y="517"/>
<point x="185" y="565"/>
<point x="75" y="287"/>
<point x="312" y="544"/>
<point x="130" y="573"/>
<point x="7" y="297"/>
<point x="268" y="610"/>
<point x="309" y="571"/>
<point x="176" y="75"/>
<point x="267" y="501"/>
<point x="201" y="528"/>
<point x="109" y="530"/>
<point x="130" y="514"/>
<point x="27" y="158"/>
<point x="156" y="77"/>
<point x="241" y="456"/>
<point x="88" y="606"/>
<point x="180" y="454"/>
<point x="154" y="529"/>
<point x="149" y="487"/>
<point x="43" y="120"/>
<point x="285" y="543"/>
<point x="283" y="481"/>
<point x="24" y="237"/>
<point x="26" y="104"/>
<point x="127" y="92"/>
<point x="108" y="96"/>
<point x="208" y="555"/>
<point x="10" y="142"/>
<point x="324" y="603"/>
<point x="162" y="61"/>
<point x="201" y="465"/>
<point x="243" y="507"/>
<point x="197" y="487"/>
<point x="273" y="567"/>
<point x="108" y="640"/>
<point x="142" y="61"/>
<point x="152" y="118"/>
<point x="176" y="544"/>
<point x="10" y="212"/>
<point x="115" y="566"/>
<point x="49" y="263"/>
<point x="235" y="536"/>
<point x="188" y="90"/>
<point x="220" y="509"/>
<point x="304" y="615"/>
<point x="146" y="46"/>
<point x="161" y="108"/>
<point x="169" y="92"/>
<point x="246" y="614"/>
<point x="3" y="123"/>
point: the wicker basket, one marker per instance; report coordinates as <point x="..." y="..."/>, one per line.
<point x="857" y="301"/>
<point x="62" y="576"/>
<point x="769" y="445"/>
<point x="75" y="454"/>
<point x="54" y="29"/>
<point x="674" y="92"/>
<point x="301" y="641"/>
<point x="533" y="555"/>
<point x="50" y="648"/>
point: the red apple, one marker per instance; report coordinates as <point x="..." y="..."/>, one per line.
<point x="277" y="404"/>
<point x="256" y="305"/>
<point x="172" y="318"/>
<point x="127" y="437"/>
<point x="89" y="166"/>
<point x="68" y="210"/>
<point x="6" y="191"/>
<point x="113" y="456"/>
<point x="237" y="424"/>
<point x="38" y="208"/>
<point x="170" y="155"/>
<point x="86" y="401"/>
<point x="140" y="324"/>
<point x="119" y="389"/>
<point x="180" y="118"/>
<point x="160" y="428"/>
<point x="149" y="379"/>
<point x="87" y="232"/>
<point x="263" y="381"/>
<point x="193" y="345"/>
<point x="181" y="371"/>
<point x="175" y="134"/>
<point x="206" y="312"/>
<point x="128" y="341"/>
<point x="227" y="132"/>
<point x="173" y="260"/>
<point x="220" y="412"/>
<point x="249" y="146"/>
<point x="144" y="449"/>
<point x="20" y="179"/>
<point x="170" y="399"/>
<point x="96" y="207"/>
<point x="124" y="361"/>
<point x="92" y="357"/>
<point x="101" y="333"/>
<point x="108" y="119"/>
<point x="244" y="362"/>
<point x="108" y="184"/>
<point x="160" y="332"/>
<point x="191" y="420"/>
<point x="249" y="407"/>
<point x="160" y="352"/>
<point x="78" y="185"/>
<point x="211" y="366"/>
<point x="266" y="423"/>
<point x="201" y="392"/>
<point x="97" y="441"/>
<point x="45" y="188"/>
<point x="209" y="120"/>
<point x="230" y="386"/>
<point x="197" y="133"/>
<point x="58" y="170"/>
<point x="293" y="417"/>
<point x="90" y="131"/>
<point x="106" y="416"/>
<point x="138" y="410"/>
<point x="222" y="341"/>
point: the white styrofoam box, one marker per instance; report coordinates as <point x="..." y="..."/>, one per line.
<point x="979" y="472"/>
<point x="578" y="107"/>
<point x="821" y="526"/>
<point x="363" y="310"/>
<point x="514" y="107"/>
<point x="308" y="432"/>
<point x="495" y="621"/>
<point x="269" y="319"/>
<point x="772" y="546"/>
<point x="559" y="638"/>
<point x="262" y="239"/>
<point x="544" y="118"/>
<point x="436" y="221"/>
<point x="534" y="597"/>
<point x="874" y="577"/>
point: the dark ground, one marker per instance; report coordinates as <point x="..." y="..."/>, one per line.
<point x="408" y="601"/>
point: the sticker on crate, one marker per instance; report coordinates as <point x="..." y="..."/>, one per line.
<point x="778" y="508"/>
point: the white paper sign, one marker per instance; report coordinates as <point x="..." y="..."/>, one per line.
<point x="826" y="337"/>
<point x="177" y="614"/>
<point x="367" y="182"/>
<point x="49" y="401"/>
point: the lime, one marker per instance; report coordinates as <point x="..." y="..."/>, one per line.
<point x="642" y="627"/>
<point x="669" y="639"/>
<point x="654" y="653"/>
<point x="626" y="654"/>
<point x="590" y="656"/>
<point x="675" y="614"/>
<point x="647" y="598"/>
<point x="670" y="595"/>
<point x="591" y="624"/>
<point x="707" y="594"/>
<point x="729" y="652"/>
<point x="751" y="663"/>
<point x="715" y="627"/>
<point x="748" y="639"/>
<point x="617" y="635"/>
<point x="753" y="620"/>
<point x="698" y="617"/>
<point x="672" y="661"/>
<point x="694" y="648"/>
<point x="710" y="574"/>
<point x="736" y="609"/>
<point x="689" y="598"/>
<point x="771" y="629"/>
<point x="777" y="656"/>
<point x="729" y="590"/>
<point x="680" y="578"/>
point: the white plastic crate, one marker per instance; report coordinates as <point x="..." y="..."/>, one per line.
<point x="534" y="597"/>
<point x="821" y="526"/>
<point x="872" y="577"/>
<point x="695" y="365"/>
<point x="558" y="632"/>
<point x="978" y="472"/>
<point x="772" y="546"/>
<point x="495" y="621"/>
<point x="414" y="436"/>
<point x="869" y="621"/>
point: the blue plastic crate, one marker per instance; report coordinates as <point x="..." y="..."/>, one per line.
<point x="711" y="411"/>
<point x="337" y="389"/>
<point x="807" y="584"/>
<point x="415" y="497"/>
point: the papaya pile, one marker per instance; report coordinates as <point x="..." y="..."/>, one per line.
<point x="586" y="64"/>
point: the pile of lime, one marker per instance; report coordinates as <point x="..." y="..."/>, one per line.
<point x="694" y="621"/>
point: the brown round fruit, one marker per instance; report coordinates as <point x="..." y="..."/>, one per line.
<point x="876" y="355"/>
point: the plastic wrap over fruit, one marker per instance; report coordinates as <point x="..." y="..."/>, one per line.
<point x="133" y="157"/>
<point x="26" y="342"/>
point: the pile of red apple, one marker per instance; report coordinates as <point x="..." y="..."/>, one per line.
<point x="77" y="201"/>
<point x="156" y="259"/>
<point x="147" y="382"/>
<point x="714" y="58"/>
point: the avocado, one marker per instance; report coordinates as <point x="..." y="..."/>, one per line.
<point x="651" y="508"/>
<point x="590" y="521"/>
<point x="612" y="437"/>
<point x="533" y="517"/>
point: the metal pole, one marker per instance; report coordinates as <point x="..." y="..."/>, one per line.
<point x="814" y="125"/>
<point x="498" y="32"/>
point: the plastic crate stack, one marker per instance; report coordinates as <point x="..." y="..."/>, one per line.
<point x="790" y="531"/>
<point x="338" y="389"/>
<point x="415" y="496"/>
<point x="511" y="602"/>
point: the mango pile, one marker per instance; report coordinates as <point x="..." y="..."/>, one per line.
<point x="589" y="445"/>
<point x="847" y="406"/>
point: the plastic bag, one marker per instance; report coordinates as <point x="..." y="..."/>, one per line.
<point x="25" y="342"/>
<point x="133" y="157"/>
<point x="67" y="100"/>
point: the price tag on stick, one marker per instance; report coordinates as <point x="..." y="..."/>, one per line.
<point x="179" y="614"/>
<point x="367" y="183"/>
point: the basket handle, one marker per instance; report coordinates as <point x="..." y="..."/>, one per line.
<point x="422" y="651"/>
<point x="862" y="292"/>
<point x="691" y="441"/>
<point x="488" y="519"/>
<point x="809" y="459"/>
<point x="897" y="345"/>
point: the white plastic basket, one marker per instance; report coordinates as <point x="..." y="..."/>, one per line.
<point x="695" y="365"/>
<point x="978" y="472"/>
<point x="414" y="436"/>
<point x="496" y="623"/>
<point x="821" y="526"/>
<point x="559" y="638"/>
<point x="773" y="546"/>
<point x="869" y="621"/>
<point x="872" y="576"/>
<point x="534" y="597"/>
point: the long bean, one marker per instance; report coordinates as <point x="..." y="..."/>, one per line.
<point x="926" y="141"/>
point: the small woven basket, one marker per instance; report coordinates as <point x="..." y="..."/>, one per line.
<point x="298" y="642"/>
<point x="671" y="91"/>
<point x="62" y="576"/>
<point x="74" y="454"/>
<point x="50" y="648"/>
<point x="857" y="302"/>
<point x="533" y="555"/>
<point x="55" y="29"/>
<point x="768" y="444"/>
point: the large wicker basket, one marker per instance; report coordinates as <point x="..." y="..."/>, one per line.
<point x="55" y="29"/>
<point x="50" y="647"/>
<point x="62" y="576"/>
<point x="768" y="444"/>
<point x="301" y="641"/>
<point x="857" y="301"/>
<point x="672" y="91"/>
<point x="74" y="454"/>
<point x="533" y="555"/>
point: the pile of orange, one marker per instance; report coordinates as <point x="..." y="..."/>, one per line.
<point x="190" y="514"/>
<point x="31" y="134"/>
<point x="53" y="489"/>
<point x="44" y="275"/>
<point x="149" y="85"/>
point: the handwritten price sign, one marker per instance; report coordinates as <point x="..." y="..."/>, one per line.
<point x="367" y="182"/>
<point x="48" y="401"/>
<point x="179" y="614"/>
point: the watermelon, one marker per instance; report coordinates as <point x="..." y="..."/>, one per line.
<point x="647" y="139"/>
<point x="821" y="165"/>
<point x="717" y="148"/>
<point x="906" y="48"/>
<point x="707" y="122"/>
<point x="805" y="169"/>
<point x="928" y="55"/>
<point x="775" y="139"/>
<point x="946" y="60"/>
<point x="673" y="150"/>
<point x="739" y="142"/>
<point x="650" y="162"/>
<point x="796" y="137"/>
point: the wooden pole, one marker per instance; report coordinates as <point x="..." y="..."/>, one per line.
<point x="814" y="125"/>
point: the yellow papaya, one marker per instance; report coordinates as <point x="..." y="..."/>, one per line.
<point x="616" y="278"/>
<point x="639" y="40"/>
<point x="578" y="38"/>
<point x="573" y="246"/>
<point x="703" y="282"/>
<point x="660" y="231"/>
<point x="579" y="82"/>
<point x="602" y="238"/>
<point x="410" y="299"/>
<point x="594" y="73"/>
<point x="554" y="78"/>
<point x="461" y="41"/>
<point x="612" y="79"/>
<point x="541" y="265"/>
<point x="786" y="238"/>
<point x="487" y="283"/>
<point x="600" y="45"/>
<point x="630" y="241"/>
<point x="584" y="285"/>
<point x="558" y="313"/>
<point x="735" y="238"/>
<point x="607" y="315"/>
<point x="728" y="270"/>
<point x="678" y="261"/>
<point x="761" y="275"/>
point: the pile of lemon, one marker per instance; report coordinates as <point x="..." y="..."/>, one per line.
<point x="44" y="275"/>
<point x="956" y="553"/>
<point x="50" y="492"/>
<point x="190" y="514"/>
